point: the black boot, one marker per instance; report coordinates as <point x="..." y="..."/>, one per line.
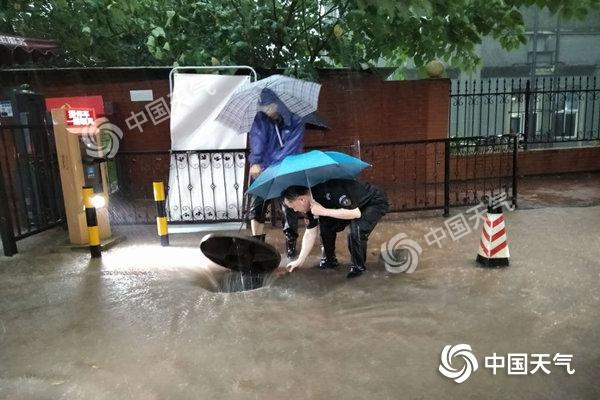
<point x="290" y="245"/>
<point x="355" y="271"/>
<point x="260" y="237"/>
<point x="328" y="262"/>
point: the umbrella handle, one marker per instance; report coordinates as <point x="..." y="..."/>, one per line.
<point x="245" y="205"/>
<point x="278" y="136"/>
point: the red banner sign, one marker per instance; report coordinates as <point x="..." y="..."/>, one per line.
<point x="80" y="116"/>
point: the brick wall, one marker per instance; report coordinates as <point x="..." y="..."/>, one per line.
<point x="356" y="105"/>
<point x="114" y="86"/>
<point x="363" y="106"/>
<point x="539" y="162"/>
<point x="480" y="166"/>
<point x="530" y="162"/>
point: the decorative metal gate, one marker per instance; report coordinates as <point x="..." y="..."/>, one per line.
<point x="203" y="186"/>
<point x="30" y="182"/>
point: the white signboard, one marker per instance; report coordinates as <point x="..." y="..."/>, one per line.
<point x="6" y="109"/>
<point x="204" y="185"/>
<point x="141" y="95"/>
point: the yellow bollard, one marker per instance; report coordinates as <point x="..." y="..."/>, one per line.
<point x="161" y="211"/>
<point x="92" y="222"/>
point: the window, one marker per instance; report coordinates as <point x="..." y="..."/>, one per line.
<point x="517" y="123"/>
<point x="565" y="124"/>
<point x="565" y="117"/>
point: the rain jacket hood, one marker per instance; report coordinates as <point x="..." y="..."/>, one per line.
<point x="265" y="147"/>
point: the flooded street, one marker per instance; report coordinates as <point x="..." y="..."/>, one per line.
<point x="144" y="323"/>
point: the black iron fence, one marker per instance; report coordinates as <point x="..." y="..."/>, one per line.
<point x="443" y="173"/>
<point x="208" y="186"/>
<point x="203" y="186"/>
<point x="547" y="110"/>
<point x="29" y="182"/>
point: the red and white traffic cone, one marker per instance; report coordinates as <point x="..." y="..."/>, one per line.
<point x="493" y="246"/>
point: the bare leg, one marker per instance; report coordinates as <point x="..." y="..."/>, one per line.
<point x="257" y="215"/>
<point x="257" y="227"/>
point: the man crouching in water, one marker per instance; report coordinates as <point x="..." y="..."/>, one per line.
<point x="336" y="204"/>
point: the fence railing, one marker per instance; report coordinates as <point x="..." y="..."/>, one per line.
<point x="202" y="185"/>
<point x="207" y="186"/>
<point x="443" y="173"/>
<point x="545" y="110"/>
<point x="30" y="181"/>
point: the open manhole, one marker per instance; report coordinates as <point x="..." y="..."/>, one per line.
<point x="249" y="260"/>
<point x="231" y="282"/>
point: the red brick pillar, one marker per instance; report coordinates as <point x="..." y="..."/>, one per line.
<point x="437" y="109"/>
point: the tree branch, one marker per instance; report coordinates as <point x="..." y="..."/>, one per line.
<point x="322" y="41"/>
<point x="318" y="21"/>
<point x="305" y="31"/>
<point x="280" y="38"/>
<point x="238" y="11"/>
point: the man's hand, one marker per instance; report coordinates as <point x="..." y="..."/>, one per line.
<point x="317" y="209"/>
<point x="294" y="264"/>
<point x="255" y="170"/>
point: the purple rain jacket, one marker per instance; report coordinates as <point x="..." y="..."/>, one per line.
<point x="265" y="147"/>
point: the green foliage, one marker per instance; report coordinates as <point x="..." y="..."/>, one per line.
<point x="296" y="35"/>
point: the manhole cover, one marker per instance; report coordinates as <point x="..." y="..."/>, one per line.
<point x="251" y="261"/>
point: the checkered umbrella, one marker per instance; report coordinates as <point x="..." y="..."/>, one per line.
<point x="299" y="96"/>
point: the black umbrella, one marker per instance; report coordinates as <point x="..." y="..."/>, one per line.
<point x="316" y="121"/>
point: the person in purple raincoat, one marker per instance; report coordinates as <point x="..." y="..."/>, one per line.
<point x="275" y="133"/>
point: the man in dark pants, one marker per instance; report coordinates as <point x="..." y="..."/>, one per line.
<point x="338" y="203"/>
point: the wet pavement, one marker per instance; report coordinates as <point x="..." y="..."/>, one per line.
<point x="143" y="322"/>
<point x="572" y="190"/>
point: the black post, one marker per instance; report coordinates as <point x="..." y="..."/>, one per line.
<point x="7" y="234"/>
<point x="515" y="170"/>
<point x="527" y="114"/>
<point x="447" y="177"/>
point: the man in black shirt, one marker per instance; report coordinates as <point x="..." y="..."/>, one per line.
<point x="336" y="204"/>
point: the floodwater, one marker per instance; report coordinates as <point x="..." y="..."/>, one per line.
<point x="146" y="322"/>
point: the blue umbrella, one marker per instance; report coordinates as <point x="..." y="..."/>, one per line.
<point x="306" y="169"/>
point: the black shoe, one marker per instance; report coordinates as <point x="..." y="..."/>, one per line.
<point x="327" y="263"/>
<point x="260" y="237"/>
<point x="355" y="271"/>
<point x="291" y="249"/>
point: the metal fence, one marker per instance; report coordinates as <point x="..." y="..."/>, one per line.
<point x="203" y="186"/>
<point x="443" y="173"/>
<point x="416" y="175"/>
<point x="547" y="110"/>
<point x="29" y="182"/>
